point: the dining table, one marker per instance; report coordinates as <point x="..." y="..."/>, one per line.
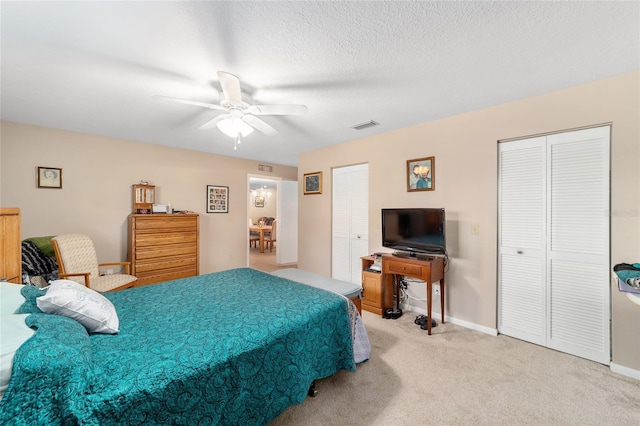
<point x="261" y="230"/>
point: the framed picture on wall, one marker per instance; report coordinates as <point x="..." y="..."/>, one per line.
<point x="421" y="174"/>
<point x="313" y="183"/>
<point x="49" y="177"/>
<point x="217" y="199"/>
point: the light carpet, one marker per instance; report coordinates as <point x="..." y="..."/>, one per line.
<point x="458" y="376"/>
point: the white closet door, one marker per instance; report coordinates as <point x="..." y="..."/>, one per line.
<point x="341" y="225"/>
<point x="578" y="243"/>
<point x="521" y="247"/>
<point x="350" y="221"/>
<point x="359" y="189"/>
<point x="553" y="260"/>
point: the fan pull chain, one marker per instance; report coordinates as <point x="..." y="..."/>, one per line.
<point x="236" y="142"/>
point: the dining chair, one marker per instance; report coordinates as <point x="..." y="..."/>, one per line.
<point x="270" y="237"/>
<point x="78" y="261"/>
<point x="254" y="237"/>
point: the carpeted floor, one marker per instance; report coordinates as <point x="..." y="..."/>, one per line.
<point x="458" y="376"/>
<point x="266" y="261"/>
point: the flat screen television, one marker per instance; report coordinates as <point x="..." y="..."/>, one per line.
<point x="414" y="230"/>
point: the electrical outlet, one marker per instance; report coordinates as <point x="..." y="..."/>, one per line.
<point x="436" y="290"/>
<point x="475" y="229"/>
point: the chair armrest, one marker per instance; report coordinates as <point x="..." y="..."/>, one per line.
<point x="127" y="266"/>
<point x="86" y="275"/>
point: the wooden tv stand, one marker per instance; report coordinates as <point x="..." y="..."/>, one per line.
<point x="429" y="269"/>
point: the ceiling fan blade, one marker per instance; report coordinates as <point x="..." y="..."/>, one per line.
<point x="230" y="85"/>
<point x="258" y="124"/>
<point x="278" y="109"/>
<point x="200" y="104"/>
<point x="212" y="123"/>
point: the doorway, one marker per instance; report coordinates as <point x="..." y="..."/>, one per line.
<point x="263" y="209"/>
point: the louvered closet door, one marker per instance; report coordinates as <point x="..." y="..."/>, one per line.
<point x="341" y="225"/>
<point x="553" y="271"/>
<point x="578" y="243"/>
<point x="522" y="233"/>
<point x="350" y="222"/>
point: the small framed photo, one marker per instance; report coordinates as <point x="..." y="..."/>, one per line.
<point x="421" y="174"/>
<point x="217" y="199"/>
<point x="313" y="183"/>
<point x="259" y="202"/>
<point x="49" y="177"/>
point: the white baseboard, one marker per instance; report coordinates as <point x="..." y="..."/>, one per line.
<point x="625" y="371"/>
<point x="615" y="368"/>
<point x="462" y="323"/>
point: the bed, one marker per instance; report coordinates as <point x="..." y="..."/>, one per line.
<point x="232" y="347"/>
<point x="348" y="290"/>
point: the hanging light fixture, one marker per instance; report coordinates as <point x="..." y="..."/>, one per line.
<point x="234" y="126"/>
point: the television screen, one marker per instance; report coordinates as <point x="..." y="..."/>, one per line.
<point x="414" y="230"/>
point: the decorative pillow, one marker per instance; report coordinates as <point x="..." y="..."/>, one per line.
<point x="88" y="307"/>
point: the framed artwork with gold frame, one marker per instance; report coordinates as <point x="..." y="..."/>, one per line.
<point x="313" y="183"/>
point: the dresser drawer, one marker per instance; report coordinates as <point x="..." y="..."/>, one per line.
<point x="401" y="268"/>
<point x="152" y="239"/>
<point x="165" y="251"/>
<point x="165" y="222"/>
<point x="167" y="276"/>
<point x="153" y="265"/>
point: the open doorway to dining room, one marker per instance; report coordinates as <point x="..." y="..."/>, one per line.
<point x="267" y="198"/>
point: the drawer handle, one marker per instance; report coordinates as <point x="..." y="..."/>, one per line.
<point x="519" y="252"/>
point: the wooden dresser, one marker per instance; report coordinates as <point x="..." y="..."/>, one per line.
<point x="10" y="245"/>
<point x="163" y="247"/>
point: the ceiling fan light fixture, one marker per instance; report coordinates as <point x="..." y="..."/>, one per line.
<point x="234" y="126"/>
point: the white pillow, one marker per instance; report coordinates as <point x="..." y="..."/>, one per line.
<point x="10" y="297"/>
<point x="88" y="307"/>
<point x="14" y="332"/>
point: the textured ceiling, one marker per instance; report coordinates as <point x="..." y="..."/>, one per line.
<point x="95" y="67"/>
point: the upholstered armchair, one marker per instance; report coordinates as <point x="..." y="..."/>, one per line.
<point x="78" y="261"/>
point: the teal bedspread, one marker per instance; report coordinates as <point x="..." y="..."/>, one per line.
<point x="235" y="347"/>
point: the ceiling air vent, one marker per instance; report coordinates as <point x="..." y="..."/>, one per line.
<point x="364" y="125"/>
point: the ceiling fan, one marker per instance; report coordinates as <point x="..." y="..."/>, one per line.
<point x="240" y="115"/>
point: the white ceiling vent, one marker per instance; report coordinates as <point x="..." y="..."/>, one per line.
<point x="364" y="125"/>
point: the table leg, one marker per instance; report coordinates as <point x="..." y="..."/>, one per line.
<point x="261" y="241"/>
<point x="429" y="289"/>
<point x="442" y="298"/>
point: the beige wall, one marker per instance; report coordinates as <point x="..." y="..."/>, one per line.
<point x="96" y="196"/>
<point x="465" y="150"/>
<point x="270" y="208"/>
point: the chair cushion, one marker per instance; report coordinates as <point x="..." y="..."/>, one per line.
<point x="109" y="282"/>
